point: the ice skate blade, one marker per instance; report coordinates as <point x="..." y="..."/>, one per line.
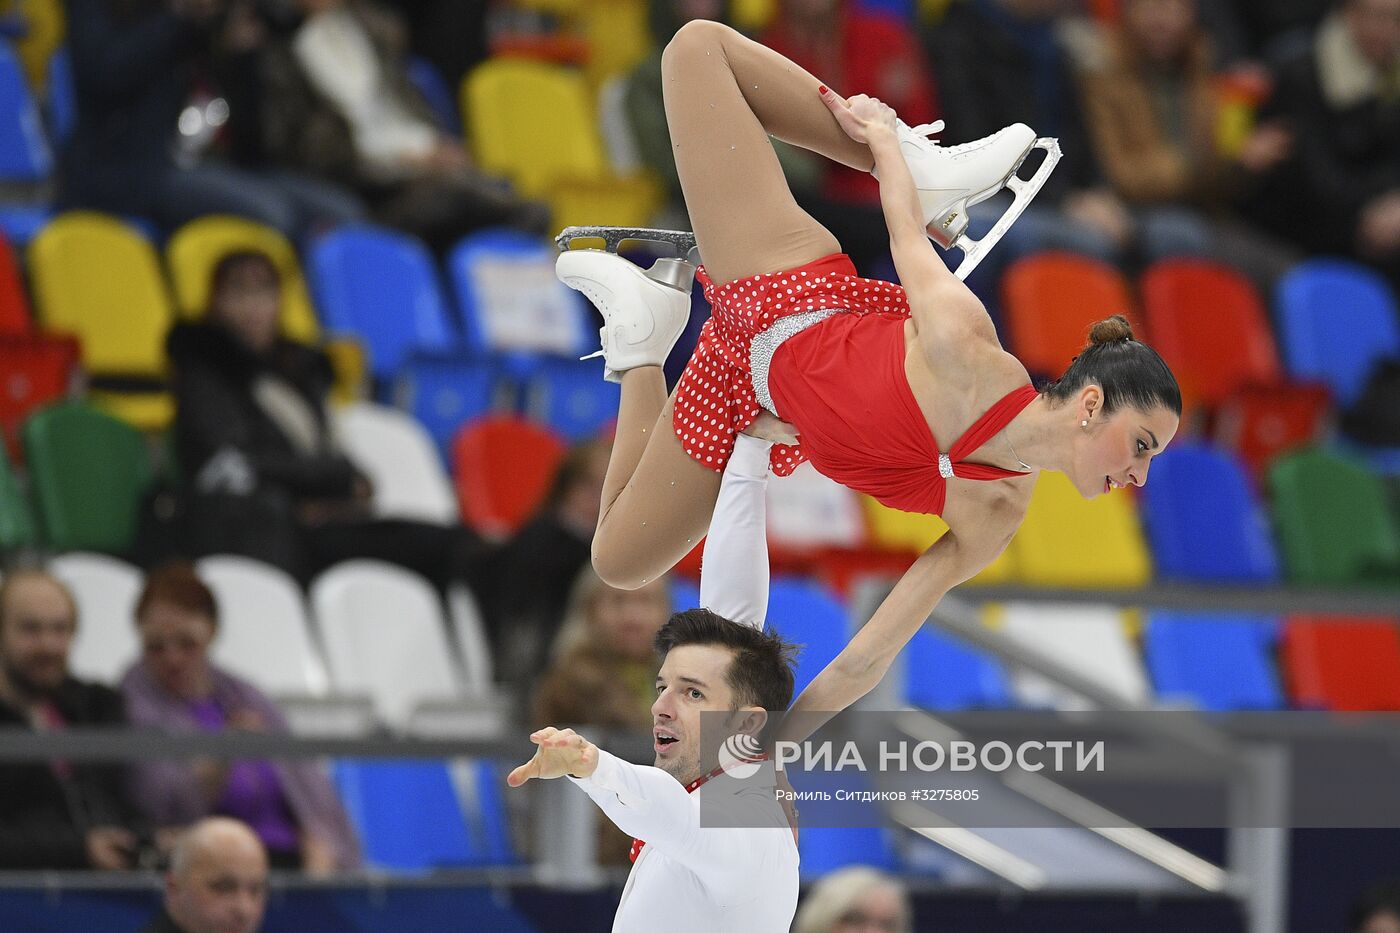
<point x="682" y="241"/>
<point x="1023" y="190"/>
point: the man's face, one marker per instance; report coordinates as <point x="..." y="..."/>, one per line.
<point x="223" y="891"/>
<point x="36" y="636"/>
<point x="692" y="680"/>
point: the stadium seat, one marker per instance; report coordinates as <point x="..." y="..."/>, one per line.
<point x="1067" y="540"/>
<point x="473" y="643"/>
<point x="15" y="316"/>
<point x="89" y="473"/>
<point x="195" y="249"/>
<point x="446" y="392"/>
<point x="943" y="673"/>
<point x="535" y="123"/>
<point x="1088" y="639"/>
<point x="119" y="270"/>
<point x="380" y="286"/>
<point x="414" y="816"/>
<point x="1217" y="661"/>
<point x="62" y="96"/>
<point x="572" y="397"/>
<point x="685" y="594"/>
<point x="824" y="849"/>
<point x="384" y="636"/>
<point x="510" y="300"/>
<point x="38" y="369"/>
<point x="894" y="530"/>
<point x="1334" y="522"/>
<point x="1344" y="664"/>
<point x="1204" y="519"/>
<point x="22" y="222"/>
<point x="24" y="151"/>
<point x="16" y="521"/>
<point x="264" y="626"/>
<point x="806" y="614"/>
<point x="1261" y="423"/>
<point x="1051" y="299"/>
<point x="807" y="511"/>
<point x="45" y="29"/>
<point x="428" y="81"/>
<point x="350" y="368"/>
<point x="503" y="467"/>
<point x="401" y="461"/>
<point x="1337" y="319"/>
<point x="1190" y="306"/>
<point x="106" y="590"/>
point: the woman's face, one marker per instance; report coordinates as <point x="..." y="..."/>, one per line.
<point x="878" y="910"/>
<point x="248" y="301"/>
<point x="1161" y="28"/>
<point x="175" y="643"/>
<point x="627" y="620"/>
<point x="1116" y="450"/>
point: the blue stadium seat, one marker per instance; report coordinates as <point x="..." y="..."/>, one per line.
<point x="684" y="595"/>
<point x="824" y="849"/>
<point x="410" y="816"/>
<point x="571" y="397"/>
<point x="511" y="304"/>
<point x="63" y="101"/>
<point x="429" y="82"/>
<point x="1204" y="520"/>
<point x="809" y="615"/>
<point x="445" y="391"/>
<point x="1218" y="661"/>
<point x="380" y="286"/>
<point x="1338" y="318"/>
<point x="942" y="673"/>
<point x="20" y="223"/>
<point x="24" y="152"/>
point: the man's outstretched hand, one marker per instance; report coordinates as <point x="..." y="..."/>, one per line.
<point x="560" y="752"/>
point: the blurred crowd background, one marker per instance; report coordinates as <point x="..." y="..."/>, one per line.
<point x="296" y="439"/>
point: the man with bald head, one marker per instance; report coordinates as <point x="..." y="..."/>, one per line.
<point x="217" y="881"/>
<point x="56" y="814"/>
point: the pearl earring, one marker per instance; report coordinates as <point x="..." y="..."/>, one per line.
<point x="1084" y="424"/>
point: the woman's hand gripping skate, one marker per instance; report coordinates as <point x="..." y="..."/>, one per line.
<point x="861" y="117"/>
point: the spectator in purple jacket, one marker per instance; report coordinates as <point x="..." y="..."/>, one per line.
<point x="174" y="687"/>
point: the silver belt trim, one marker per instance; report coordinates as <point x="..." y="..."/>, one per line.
<point x="766" y="344"/>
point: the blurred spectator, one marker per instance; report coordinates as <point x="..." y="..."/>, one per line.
<point x="1249" y="33"/>
<point x="855" y="900"/>
<point x="56" y="814"/>
<point x="604" y="671"/>
<point x="150" y="114"/>
<point x="264" y="474"/>
<point x="290" y="805"/>
<point x="859" y="51"/>
<point x="451" y="34"/>
<point x="217" y="882"/>
<point x="340" y="104"/>
<point x="535" y="571"/>
<point x="1151" y="107"/>
<point x="1340" y="191"/>
<point x="1005" y="61"/>
<point x="1378" y="910"/>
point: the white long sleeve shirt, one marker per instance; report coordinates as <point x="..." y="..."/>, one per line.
<point x="699" y="879"/>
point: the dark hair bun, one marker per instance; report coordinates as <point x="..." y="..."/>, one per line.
<point x="1110" y="329"/>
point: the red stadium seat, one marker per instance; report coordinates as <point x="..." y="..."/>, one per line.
<point x="1211" y="327"/>
<point x="1050" y="301"/>
<point x="502" y="467"/>
<point x="1350" y="664"/>
<point x="37" y="369"/>
<point x="14" y="303"/>
<point x="1262" y="422"/>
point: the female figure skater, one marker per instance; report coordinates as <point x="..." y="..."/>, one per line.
<point x="868" y="374"/>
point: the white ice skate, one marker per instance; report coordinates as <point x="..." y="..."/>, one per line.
<point x="644" y="310"/>
<point x="951" y="179"/>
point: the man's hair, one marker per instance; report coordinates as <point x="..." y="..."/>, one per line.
<point x="16" y="578"/>
<point x="760" y="673"/>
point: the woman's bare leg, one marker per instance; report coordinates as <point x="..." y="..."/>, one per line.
<point x="725" y="95"/>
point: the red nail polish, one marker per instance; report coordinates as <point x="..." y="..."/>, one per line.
<point x="821" y="89"/>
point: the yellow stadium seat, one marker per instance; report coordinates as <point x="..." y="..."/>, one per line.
<point x="99" y="279"/>
<point x="752" y="16"/>
<point x="146" y="411"/>
<point x="618" y="35"/>
<point x="196" y="248"/>
<point x="1067" y="540"/>
<point x="350" y="365"/>
<point x="45" y="27"/>
<point x="536" y="124"/>
<point x="907" y="531"/>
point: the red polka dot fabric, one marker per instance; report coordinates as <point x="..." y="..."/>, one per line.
<point x="715" y="398"/>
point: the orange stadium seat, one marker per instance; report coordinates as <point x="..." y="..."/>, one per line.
<point x="503" y="467"/>
<point x="1051" y="299"/>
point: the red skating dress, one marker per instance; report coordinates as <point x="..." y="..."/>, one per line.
<point x="840" y="383"/>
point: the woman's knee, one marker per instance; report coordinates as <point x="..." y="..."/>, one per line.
<point x="698" y="35"/>
<point x="615" y="568"/>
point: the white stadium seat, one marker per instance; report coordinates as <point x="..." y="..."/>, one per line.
<point x="401" y="460"/>
<point x="1090" y="640"/>
<point x="106" y="590"/>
